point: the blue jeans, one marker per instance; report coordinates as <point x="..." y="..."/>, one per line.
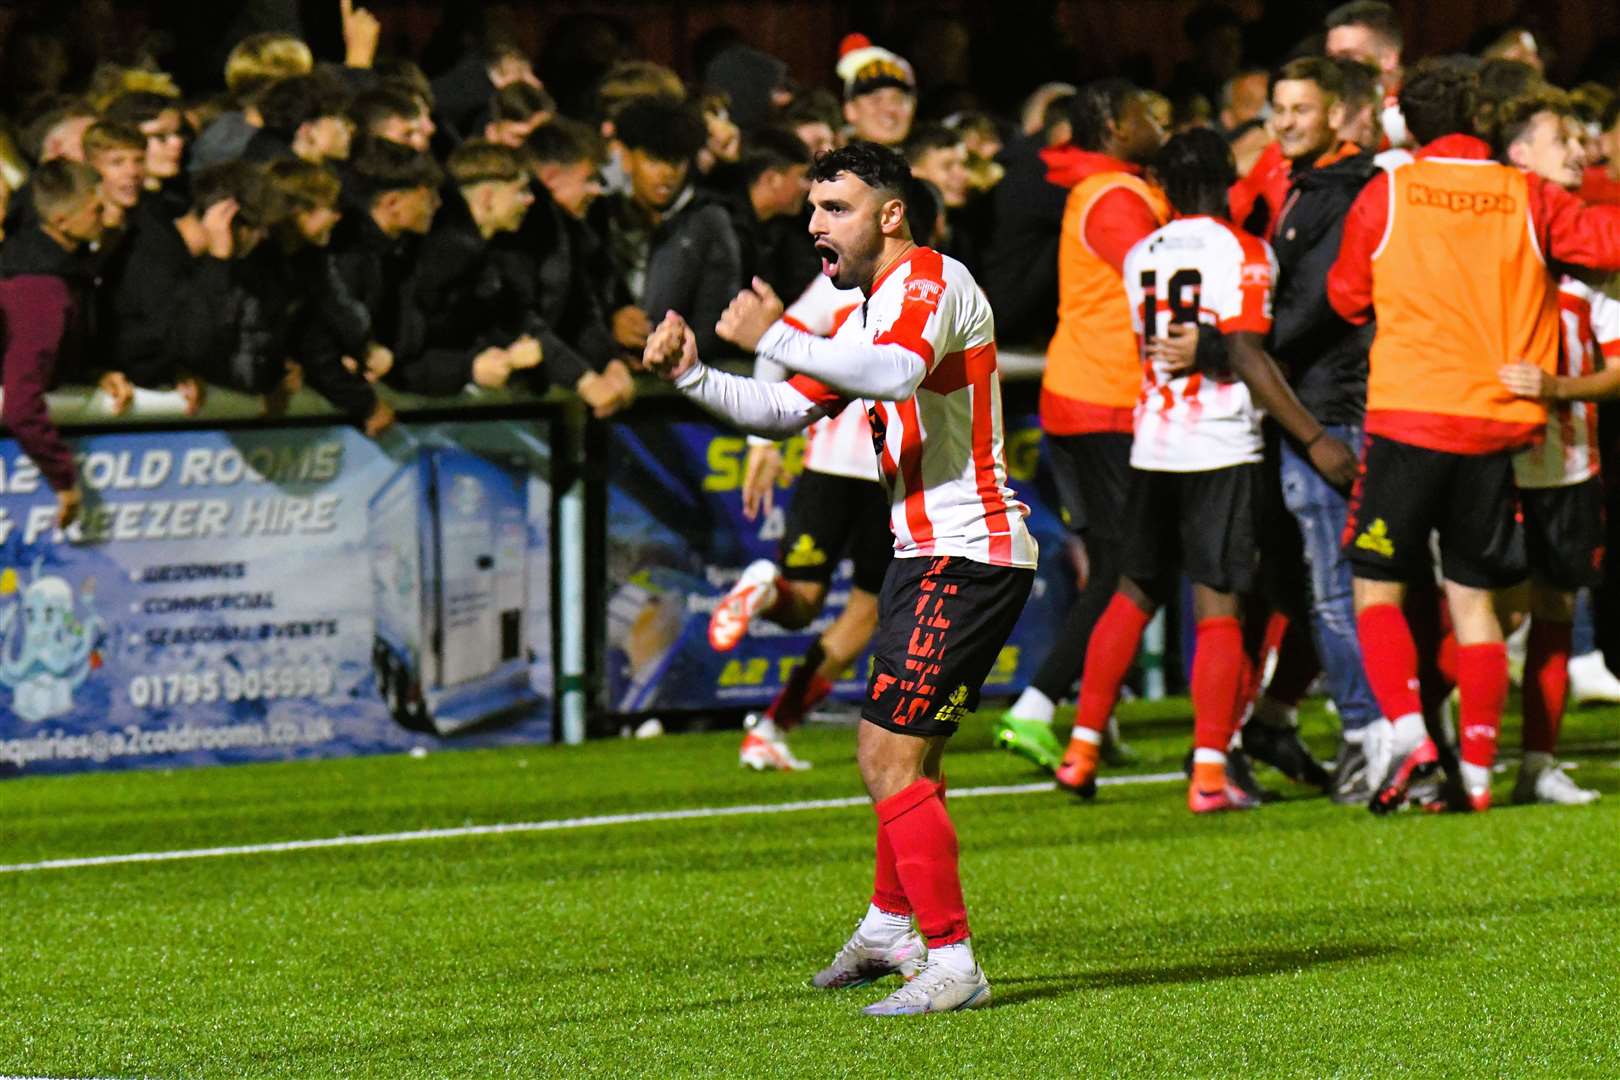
<point x="1321" y="513"/>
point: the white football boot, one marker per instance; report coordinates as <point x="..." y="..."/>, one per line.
<point x="939" y="987"/>
<point x="765" y="747"/>
<point x="866" y="959"/>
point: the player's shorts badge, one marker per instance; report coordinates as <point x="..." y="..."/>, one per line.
<point x="1375" y="538"/>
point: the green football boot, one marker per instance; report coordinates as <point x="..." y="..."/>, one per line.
<point x="1030" y="739"/>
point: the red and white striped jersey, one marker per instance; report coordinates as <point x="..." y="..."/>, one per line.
<point x="1197" y="269"/>
<point x="836" y="445"/>
<point x="941" y="450"/>
<point x="1589" y="325"/>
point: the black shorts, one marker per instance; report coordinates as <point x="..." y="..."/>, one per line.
<point x="1405" y="492"/>
<point x="1200" y="523"/>
<point x="1564" y="534"/>
<point x="1092" y="474"/>
<point x="831" y="517"/>
<point x="942" y="621"/>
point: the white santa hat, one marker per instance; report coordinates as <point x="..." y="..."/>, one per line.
<point x="865" y="67"/>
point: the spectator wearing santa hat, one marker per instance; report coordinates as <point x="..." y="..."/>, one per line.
<point x="880" y="91"/>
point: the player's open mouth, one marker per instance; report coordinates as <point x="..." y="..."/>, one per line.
<point x="829" y="259"/>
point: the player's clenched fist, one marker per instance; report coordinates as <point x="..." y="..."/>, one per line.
<point x="671" y="348"/>
<point x="747" y="317"/>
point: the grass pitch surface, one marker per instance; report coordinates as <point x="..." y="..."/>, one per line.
<point x="1125" y="937"/>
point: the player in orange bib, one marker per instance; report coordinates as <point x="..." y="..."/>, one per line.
<point x="1451" y="250"/>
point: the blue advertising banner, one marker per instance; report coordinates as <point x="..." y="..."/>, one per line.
<point x="260" y="595"/>
<point x="677" y="540"/>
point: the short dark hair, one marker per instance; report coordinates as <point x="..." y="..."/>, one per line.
<point x="383" y="103"/>
<point x="382" y="166"/>
<point x="1375" y="15"/>
<point x="479" y="161"/>
<point x="138" y="107"/>
<point x="662" y="128"/>
<point x="769" y="148"/>
<point x="564" y="142"/>
<point x="1194" y="168"/>
<point x="1096" y="107"/>
<point x="1326" y="74"/>
<point x="930" y="137"/>
<point x="1438" y="98"/>
<point x="876" y="166"/>
<point x="519" y="101"/>
<point x="259" y="202"/>
<point x="59" y="186"/>
<point x="1512" y="118"/>
<point x="1359" y="83"/>
<point x="292" y="102"/>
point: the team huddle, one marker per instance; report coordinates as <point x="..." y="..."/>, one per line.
<point x="1394" y="369"/>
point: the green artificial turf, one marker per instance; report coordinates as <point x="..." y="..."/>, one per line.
<point x="1125" y="937"/>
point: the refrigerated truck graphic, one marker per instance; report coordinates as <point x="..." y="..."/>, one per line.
<point x="449" y="541"/>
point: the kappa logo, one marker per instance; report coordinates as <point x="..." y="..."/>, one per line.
<point x="1460" y="202"/>
<point x="924" y="291"/>
<point x="1375" y="538"/>
<point x="1256" y="275"/>
<point x="804" y="553"/>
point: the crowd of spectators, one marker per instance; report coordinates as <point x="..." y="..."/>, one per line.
<point x="355" y="228"/>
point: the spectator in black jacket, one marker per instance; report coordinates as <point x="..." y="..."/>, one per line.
<point x="478" y="326"/>
<point x="44" y="298"/>
<point x="1326" y="361"/>
<point x="568" y="158"/>
<point x="373" y="261"/>
<point x="305" y="117"/>
<point x="559" y="251"/>
<point x="1019" y="264"/>
<point x="173" y="308"/>
<point x="672" y="250"/>
<point x="768" y="213"/>
<point x="311" y="212"/>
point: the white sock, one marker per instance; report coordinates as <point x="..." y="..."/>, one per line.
<point x="958" y="957"/>
<point x="1085" y="734"/>
<point x="1205" y="756"/>
<point x="880" y="925"/>
<point x="1353" y="736"/>
<point x="1033" y="705"/>
<point x="1476" y="778"/>
<point x="1410" y="729"/>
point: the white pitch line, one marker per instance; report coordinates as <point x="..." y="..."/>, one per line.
<point x="553" y="825"/>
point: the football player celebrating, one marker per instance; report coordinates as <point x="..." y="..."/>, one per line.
<point x="920" y="357"/>
<point x="1195" y="460"/>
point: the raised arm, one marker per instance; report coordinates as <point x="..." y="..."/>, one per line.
<point x="885" y="371"/>
<point x="771" y="409"/>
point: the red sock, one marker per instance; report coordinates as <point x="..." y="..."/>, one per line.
<point x="1546" y="683"/>
<point x="1108" y="660"/>
<point x="1390" y="657"/>
<point x="1482" y="681"/>
<point x="1446" y="661"/>
<point x="798" y="696"/>
<point x="887" y="892"/>
<point x="924" y="844"/>
<point x="1297" y="666"/>
<point x="1218" y="674"/>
